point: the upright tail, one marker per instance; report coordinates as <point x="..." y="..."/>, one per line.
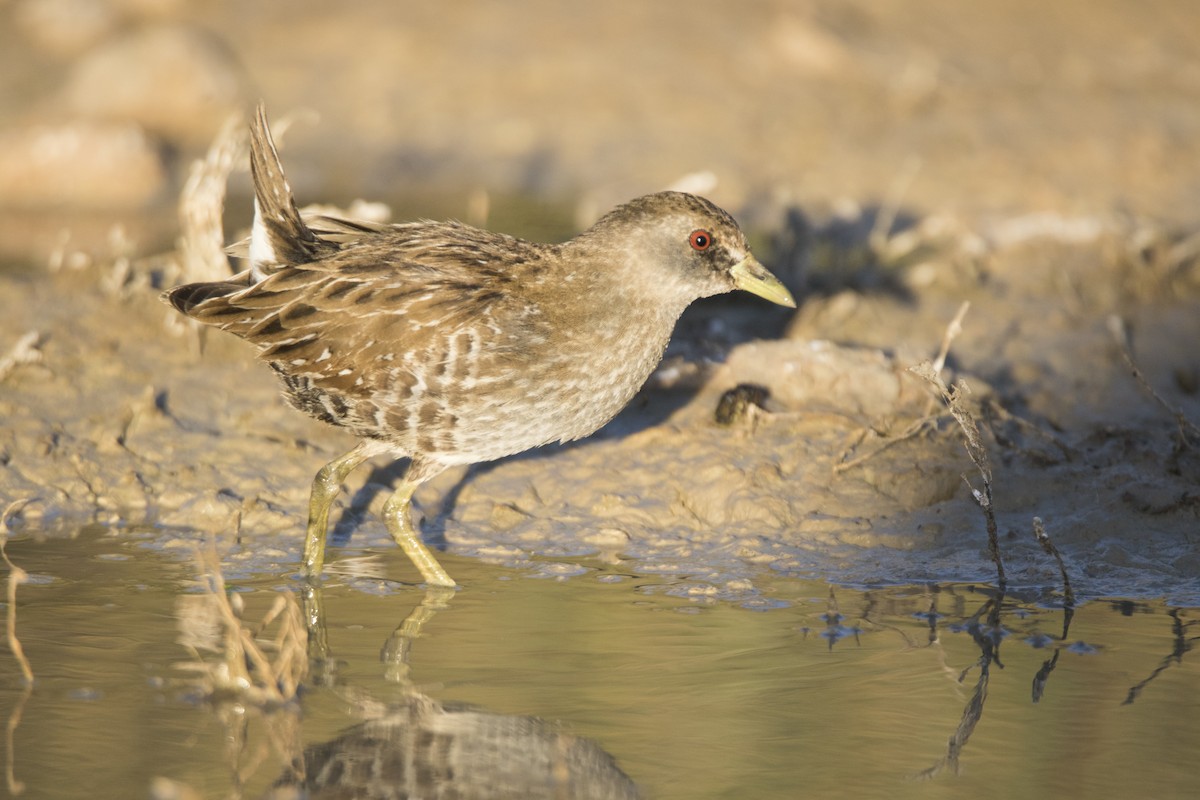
<point x="279" y="237"/>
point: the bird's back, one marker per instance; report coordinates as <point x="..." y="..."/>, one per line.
<point x="438" y="338"/>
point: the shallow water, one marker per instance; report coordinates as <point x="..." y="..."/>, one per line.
<point x="833" y="692"/>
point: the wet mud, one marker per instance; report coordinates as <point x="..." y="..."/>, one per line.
<point x="890" y="170"/>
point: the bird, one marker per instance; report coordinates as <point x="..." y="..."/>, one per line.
<point x="451" y="345"/>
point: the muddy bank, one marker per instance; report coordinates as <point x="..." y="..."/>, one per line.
<point x="849" y="469"/>
<point x="892" y="162"/>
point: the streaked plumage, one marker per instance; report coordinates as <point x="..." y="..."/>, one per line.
<point x="454" y="345"/>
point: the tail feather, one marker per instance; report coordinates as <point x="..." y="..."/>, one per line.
<point x="279" y="236"/>
<point x="185" y="298"/>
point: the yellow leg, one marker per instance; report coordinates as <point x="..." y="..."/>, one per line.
<point x="396" y="649"/>
<point x="325" y="488"/>
<point x="321" y="661"/>
<point x="397" y="514"/>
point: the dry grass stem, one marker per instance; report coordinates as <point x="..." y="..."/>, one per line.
<point x="994" y="412"/>
<point x="1120" y="334"/>
<point x="913" y="429"/>
<point x="16" y="576"/>
<point x="200" y="251"/>
<point x="247" y="754"/>
<point x="1039" y="533"/>
<point x="202" y="202"/>
<point x="26" y="350"/>
<point x="918" y="426"/>
<point x="249" y="669"/>
<point x="15" y="787"/>
<point x="952" y="332"/>
<point x="953" y="399"/>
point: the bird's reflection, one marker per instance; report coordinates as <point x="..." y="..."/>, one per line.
<point x="421" y="747"/>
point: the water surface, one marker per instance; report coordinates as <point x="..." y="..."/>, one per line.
<point x="903" y="691"/>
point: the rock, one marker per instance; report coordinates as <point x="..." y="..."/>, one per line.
<point x="858" y="382"/>
<point x="81" y="164"/>
<point x="179" y="82"/>
<point x="64" y="28"/>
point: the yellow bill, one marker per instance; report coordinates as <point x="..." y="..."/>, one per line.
<point x="751" y="276"/>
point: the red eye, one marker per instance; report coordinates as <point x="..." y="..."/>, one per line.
<point x="700" y="240"/>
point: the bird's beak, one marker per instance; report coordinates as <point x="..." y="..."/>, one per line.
<point x="751" y="276"/>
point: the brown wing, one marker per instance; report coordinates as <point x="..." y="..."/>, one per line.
<point x="381" y="318"/>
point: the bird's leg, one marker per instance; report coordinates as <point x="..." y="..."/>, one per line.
<point x="396" y="649"/>
<point x="325" y="488"/>
<point x="397" y="514"/>
<point x="320" y="657"/>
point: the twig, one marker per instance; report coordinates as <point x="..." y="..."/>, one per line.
<point x="952" y="332"/>
<point x="1048" y="666"/>
<point x="914" y="428"/>
<point x="929" y="418"/>
<point x="1120" y="334"/>
<point x="1039" y="533"/>
<point x="976" y="451"/>
<point x="994" y="411"/>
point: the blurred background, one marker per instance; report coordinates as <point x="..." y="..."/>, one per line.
<point x="972" y="109"/>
